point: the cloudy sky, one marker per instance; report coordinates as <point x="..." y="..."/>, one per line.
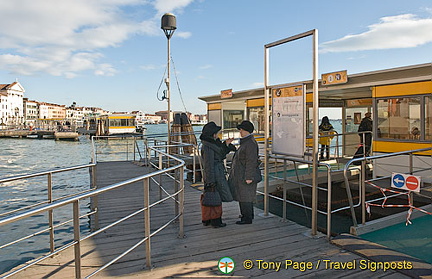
<point x="112" y="53"/>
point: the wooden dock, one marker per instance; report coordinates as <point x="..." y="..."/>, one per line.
<point x="196" y="255"/>
<point x="39" y="134"/>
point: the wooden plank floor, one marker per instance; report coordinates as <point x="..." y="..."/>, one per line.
<point x="196" y="255"/>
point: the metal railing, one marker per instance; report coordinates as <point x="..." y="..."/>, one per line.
<point x="300" y="184"/>
<point x="50" y="199"/>
<point x="324" y="167"/>
<point x="175" y="166"/>
<point x="362" y="179"/>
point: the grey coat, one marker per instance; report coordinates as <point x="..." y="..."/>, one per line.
<point x="213" y="154"/>
<point x="245" y="167"/>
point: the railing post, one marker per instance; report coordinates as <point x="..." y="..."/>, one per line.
<point x="147" y="221"/>
<point x="176" y="188"/>
<point x="411" y="167"/>
<point x="160" y="176"/>
<point x="95" y="201"/>
<point x="127" y="149"/>
<point x="77" y="246"/>
<point x="363" y="190"/>
<point x="50" y="214"/>
<point x="411" y="170"/>
<point x="134" y="145"/>
<point x="181" y="200"/>
<point x="329" y="201"/>
<point x="284" y="205"/>
<point x="194" y="162"/>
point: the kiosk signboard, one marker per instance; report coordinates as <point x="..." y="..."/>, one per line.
<point x="288" y="121"/>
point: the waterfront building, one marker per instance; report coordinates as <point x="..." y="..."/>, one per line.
<point x="164" y="114"/>
<point x="75" y="116"/>
<point x="97" y="111"/>
<point x="31" y="112"/>
<point x="52" y="111"/>
<point x="152" y="118"/>
<point x="11" y="104"/>
<point x="198" y="119"/>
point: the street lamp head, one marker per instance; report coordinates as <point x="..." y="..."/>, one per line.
<point x="168" y="24"/>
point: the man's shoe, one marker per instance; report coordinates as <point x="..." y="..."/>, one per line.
<point x="243" y="222"/>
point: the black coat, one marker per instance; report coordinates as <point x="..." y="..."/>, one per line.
<point x="213" y="153"/>
<point x="245" y="167"/>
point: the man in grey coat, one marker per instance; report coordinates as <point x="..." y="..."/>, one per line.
<point x="245" y="173"/>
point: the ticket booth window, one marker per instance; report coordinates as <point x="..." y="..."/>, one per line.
<point x="232" y="118"/>
<point x="256" y="116"/>
<point x="399" y="118"/>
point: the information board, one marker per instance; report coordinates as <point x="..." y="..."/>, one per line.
<point x="288" y="121"/>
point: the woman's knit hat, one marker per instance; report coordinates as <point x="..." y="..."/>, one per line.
<point x="210" y="129"/>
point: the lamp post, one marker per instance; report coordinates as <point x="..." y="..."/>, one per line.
<point x="168" y="25"/>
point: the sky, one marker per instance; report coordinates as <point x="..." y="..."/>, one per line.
<point x="112" y="54"/>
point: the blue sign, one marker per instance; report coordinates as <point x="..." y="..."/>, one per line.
<point x="398" y="180"/>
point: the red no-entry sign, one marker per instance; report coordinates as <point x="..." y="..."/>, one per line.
<point x="413" y="183"/>
<point x="406" y="182"/>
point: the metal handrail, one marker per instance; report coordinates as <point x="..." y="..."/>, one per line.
<point x="49" y="200"/>
<point x="285" y="200"/>
<point x="94" y="193"/>
<point x="362" y="180"/>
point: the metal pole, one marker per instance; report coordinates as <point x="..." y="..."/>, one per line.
<point x="176" y="188"/>
<point x="329" y="202"/>
<point x="147" y="221"/>
<point x="127" y="149"/>
<point x="363" y="190"/>
<point x="160" y="176"/>
<point x="167" y="81"/>
<point x="267" y="130"/>
<point x="315" y="134"/>
<point x="284" y="205"/>
<point x="193" y="162"/>
<point x="77" y="247"/>
<point x="181" y="199"/>
<point x="95" y="200"/>
<point x="134" y="145"/>
<point x="50" y="214"/>
<point x="411" y="168"/>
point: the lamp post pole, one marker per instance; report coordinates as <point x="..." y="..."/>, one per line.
<point x="168" y="25"/>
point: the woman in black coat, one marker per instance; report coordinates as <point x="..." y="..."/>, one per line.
<point x="213" y="153"/>
<point x="245" y="173"/>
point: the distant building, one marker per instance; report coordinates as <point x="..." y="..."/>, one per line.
<point x="31" y="112"/>
<point x="152" y="118"/>
<point x="164" y="114"/>
<point x="48" y="111"/>
<point x="11" y="104"/>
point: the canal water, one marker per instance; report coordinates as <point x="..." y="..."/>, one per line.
<point x="25" y="156"/>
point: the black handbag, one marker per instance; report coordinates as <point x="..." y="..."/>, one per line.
<point x="211" y="196"/>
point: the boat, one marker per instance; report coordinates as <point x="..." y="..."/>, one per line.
<point x="198" y="122"/>
<point x="111" y="124"/>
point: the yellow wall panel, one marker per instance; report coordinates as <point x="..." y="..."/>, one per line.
<point x="214" y="106"/>
<point x="390" y="146"/>
<point x="403" y="89"/>
<point x="255" y="102"/>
